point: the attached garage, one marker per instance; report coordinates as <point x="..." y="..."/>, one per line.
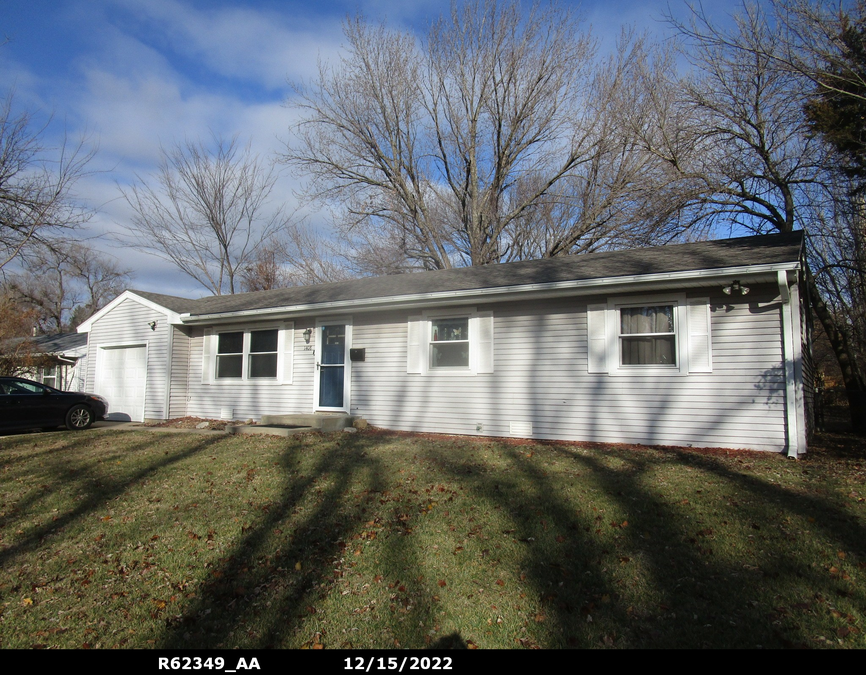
<point x="129" y="357"/>
<point x="121" y="377"/>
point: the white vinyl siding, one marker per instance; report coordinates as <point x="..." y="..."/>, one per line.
<point x="179" y="385"/>
<point x="540" y="379"/>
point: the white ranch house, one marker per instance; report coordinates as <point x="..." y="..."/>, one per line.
<point x="702" y="344"/>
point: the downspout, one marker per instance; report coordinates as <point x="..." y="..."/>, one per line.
<point x="799" y="379"/>
<point x="788" y="355"/>
<point x="166" y="413"/>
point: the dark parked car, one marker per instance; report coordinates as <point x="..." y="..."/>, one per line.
<point x="25" y="404"/>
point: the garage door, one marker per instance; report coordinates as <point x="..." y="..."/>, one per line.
<point x="120" y="377"/>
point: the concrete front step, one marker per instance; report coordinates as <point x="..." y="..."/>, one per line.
<point x="286" y="425"/>
<point x="262" y="430"/>
<point x="322" y="421"/>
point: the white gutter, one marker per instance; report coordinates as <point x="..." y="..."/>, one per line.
<point x="475" y="294"/>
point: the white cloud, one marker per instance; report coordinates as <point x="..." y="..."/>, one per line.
<point x="255" y="45"/>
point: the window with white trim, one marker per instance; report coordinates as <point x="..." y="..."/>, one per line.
<point x="647" y="336"/>
<point x="449" y="343"/>
<point x="659" y="335"/>
<point x="49" y="376"/>
<point x="262" y="354"/>
<point x="230" y="355"/>
<point x="457" y="343"/>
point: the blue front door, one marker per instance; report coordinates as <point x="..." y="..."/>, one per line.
<point x="332" y="366"/>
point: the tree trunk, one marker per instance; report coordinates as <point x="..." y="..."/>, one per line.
<point x="854" y="385"/>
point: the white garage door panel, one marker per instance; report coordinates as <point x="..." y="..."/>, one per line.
<point x="121" y="373"/>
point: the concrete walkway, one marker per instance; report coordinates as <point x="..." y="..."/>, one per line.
<point x="138" y="426"/>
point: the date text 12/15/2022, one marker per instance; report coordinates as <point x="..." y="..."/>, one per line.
<point x="395" y="663"/>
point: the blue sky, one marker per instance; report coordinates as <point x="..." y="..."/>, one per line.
<point x="132" y="75"/>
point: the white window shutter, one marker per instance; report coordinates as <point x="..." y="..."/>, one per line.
<point x="208" y="361"/>
<point x="596" y="329"/>
<point x="700" y="336"/>
<point x="483" y="332"/>
<point x="286" y="346"/>
<point x="416" y="352"/>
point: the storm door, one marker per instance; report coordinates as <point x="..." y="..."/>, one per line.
<point x="332" y="349"/>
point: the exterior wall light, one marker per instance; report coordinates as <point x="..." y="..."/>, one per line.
<point x="735" y="288"/>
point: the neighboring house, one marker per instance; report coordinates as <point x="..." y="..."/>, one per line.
<point x="61" y="357"/>
<point x="702" y="344"/>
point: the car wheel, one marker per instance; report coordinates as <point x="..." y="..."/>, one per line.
<point x="79" y="417"/>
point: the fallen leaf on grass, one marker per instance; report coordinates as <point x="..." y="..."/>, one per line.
<point x="442" y="583"/>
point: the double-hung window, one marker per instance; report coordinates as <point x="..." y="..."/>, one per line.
<point x="452" y="343"/>
<point x="263" y="354"/>
<point x="49" y="376"/>
<point x="248" y="355"/>
<point x="230" y="355"/>
<point x="251" y="354"/>
<point x="647" y="336"/>
<point x="449" y="343"/>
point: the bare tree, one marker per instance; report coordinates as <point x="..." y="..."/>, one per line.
<point x="453" y="148"/>
<point x="300" y="256"/>
<point x="64" y="283"/>
<point x="18" y="354"/>
<point x="754" y="160"/>
<point x="814" y="40"/>
<point x="742" y="141"/>
<point x="36" y="183"/>
<point x="207" y="211"/>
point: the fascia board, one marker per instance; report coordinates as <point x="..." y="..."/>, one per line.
<point x="525" y="291"/>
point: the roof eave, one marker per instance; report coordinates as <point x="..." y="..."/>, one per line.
<point x="524" y="291"/>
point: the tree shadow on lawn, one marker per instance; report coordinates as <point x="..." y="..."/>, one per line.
<point x="64" y="470"/>
<point x="741" y="575"/>
<point x="608" y="554"/>
<point x="635" y="566"/>
<point x="267" y="589"/>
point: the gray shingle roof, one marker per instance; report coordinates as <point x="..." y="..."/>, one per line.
<point x="172" y="302"/>
<point x="59" y="344"/>
<point x="723" y="253"/>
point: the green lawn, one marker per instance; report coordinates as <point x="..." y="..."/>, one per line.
<point x="139" y="539"/>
